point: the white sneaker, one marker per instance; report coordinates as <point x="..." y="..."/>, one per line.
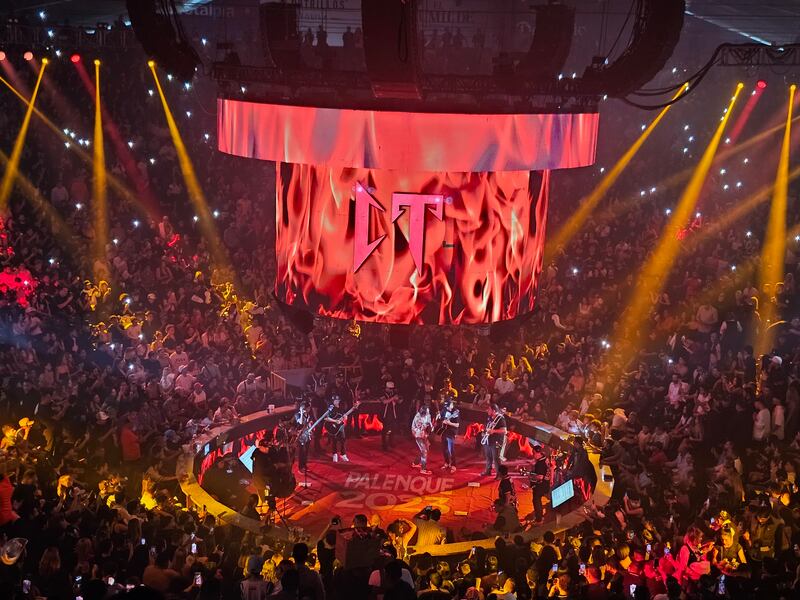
<point x="335" y="458"/>
<point x="344" y="458"/>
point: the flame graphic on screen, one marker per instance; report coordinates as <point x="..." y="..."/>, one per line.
<point x="480" y="262"/>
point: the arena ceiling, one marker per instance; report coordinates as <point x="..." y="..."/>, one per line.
<point x="766" y="21"/>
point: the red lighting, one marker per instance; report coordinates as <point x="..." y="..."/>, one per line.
<point x="28" y="55"/>
<point x="761" y="84"/>
<point x="2" y="55"/>
<point x="76" y="58"/>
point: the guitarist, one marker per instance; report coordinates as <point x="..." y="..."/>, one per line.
<point x="392" y="414"/>
<point x="302" y="420"/>
<point x="493" y="436"/>
<point x="335" y="425"/>
<point x="448" y="426"/>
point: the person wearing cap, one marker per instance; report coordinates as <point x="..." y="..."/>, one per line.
<point x="391" y="415"/>
<point x="449" y="422"/>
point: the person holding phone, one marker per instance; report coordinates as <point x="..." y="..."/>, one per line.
<point x="158" y="575"/>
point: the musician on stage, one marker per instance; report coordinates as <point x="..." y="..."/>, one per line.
<point x="270" y="463"/>
<point x="449" y="422"/>
<point x="341" y="387"/>
<point x="336" y="426"/>
<point x="303" y="417"/>
<point x="493" y="436"/>
<point x="421" y="428"/>
<point x="539" y="474"/>
<point x="391" y="416"/>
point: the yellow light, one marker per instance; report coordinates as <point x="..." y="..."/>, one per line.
<point x="657" y="267"/>
<point x="99" y="187"/>
<point x="590" y="202"/>
<point x="773" y="251"/>
<point x="739" y="86"/>
<point x="7" y="183"/>
<point x="195" y="191"/>
<point x="151" y="63"/>
<point x="45" y="61"/>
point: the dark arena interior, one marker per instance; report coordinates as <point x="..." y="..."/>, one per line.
<point x="394" y="299"/>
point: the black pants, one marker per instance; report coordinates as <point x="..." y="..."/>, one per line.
<point x="538" y="491"/>
<point x="338" y="442"/>
<point x="261" y="482"/>
<point x="387" y="433"/>
<point x="302" y="456"/>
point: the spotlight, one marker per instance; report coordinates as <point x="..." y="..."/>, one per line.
<point x="96" y="62"/>
<point x="722" y="171"/>
<point x="189" y="114"/>
<point x="135" y="222"/>
<point x="203" y="41"/>
<point x="2" y="55"/>
<point x="130" y="144"/>
<point x="152" y="161"/>
<point x="733" y="267"/>
<point x="216" y="214"/>
<point x="150" y="92"/>
<point x="51" y="34"/>
<point x="42" y="15"/>
<point x="76" y="58"/>
<point x="697" y="215"/>
<point x="28" y="55"/>
<point x="58" y="53"/>
<point x="668" y="212"/>
<point x="206" y="136"/>
<point x="52" y="261"/>
<point x="151" y="63"/>
<point x="574" y="270"/>
<point x="187" y="85"/>
<point x="195" y="218"/>
<point x="78" y="206"/>
<point x="748" y="234"/>
<point x="115" y="241"/>
<point x="169" y="77"/>
<point x="761" y="84"/>
<point x="602" y="169"/>
<point x="746" y="160"/>
<point x="45" y="61"/>
<point x="686" y="128"/>
<point x="244" y="89"/>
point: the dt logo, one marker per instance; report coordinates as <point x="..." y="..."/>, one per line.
<point x="416" y="204"/>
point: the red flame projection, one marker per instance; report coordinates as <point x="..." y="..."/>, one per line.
<point x="479" y="263"/>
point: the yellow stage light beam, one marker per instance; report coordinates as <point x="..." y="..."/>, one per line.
<point x="61" y="230"/>
<point x="115" y="184"/>
<point x="99" y="199"/>
<point x="590" y="202"/>
<point x="773" y="251"/>
<point x="656" y="268"/>
<point x="196" y="195"/>
<point x="10" y="174"/>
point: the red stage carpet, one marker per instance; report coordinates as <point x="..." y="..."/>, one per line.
<point x="385" y="483"/>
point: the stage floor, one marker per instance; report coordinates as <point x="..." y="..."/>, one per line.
<point x="381" y="483"/>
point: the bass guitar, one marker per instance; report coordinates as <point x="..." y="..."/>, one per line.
<point x="337" y="426"/>
<point x="305" y="435"/>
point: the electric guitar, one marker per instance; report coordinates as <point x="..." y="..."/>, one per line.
<point x="305" y="435"/>
<point x="488" y="431"/>
<point x="335" y="428"/>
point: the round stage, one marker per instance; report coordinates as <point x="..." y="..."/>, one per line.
<point x="214" y="473"/>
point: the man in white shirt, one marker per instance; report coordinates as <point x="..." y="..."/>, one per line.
<point x="676" y="390"/>
<point x="504" y="384"/>
<point x="178" y="359"/>
<point x="761" y="422"/>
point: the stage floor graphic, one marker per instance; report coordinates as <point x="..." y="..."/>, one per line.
<point x="384" y="483"/>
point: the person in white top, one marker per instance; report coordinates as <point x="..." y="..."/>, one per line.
<point x="761" y="422"/>
<point x="778" y="419"/>
<point x="504" y="384"/>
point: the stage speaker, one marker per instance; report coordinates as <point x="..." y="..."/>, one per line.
<point x="280" y="37"/>
<point x="656" y="32"/>
<point x="391" y="47"/>
<point x="551" y="43"/>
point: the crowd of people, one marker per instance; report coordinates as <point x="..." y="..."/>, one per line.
<point x="111" y="362"/>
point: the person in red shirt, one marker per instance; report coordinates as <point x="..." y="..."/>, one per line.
<point x="7" y="514"/>
<point x="129" y="442"/>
